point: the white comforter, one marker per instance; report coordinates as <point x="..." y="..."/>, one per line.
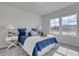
<point x="30" y="42"/>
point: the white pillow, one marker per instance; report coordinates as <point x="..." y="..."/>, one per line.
<point x="33" y="33"/>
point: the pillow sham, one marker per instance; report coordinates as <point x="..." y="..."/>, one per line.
<point x="22" y="31"/>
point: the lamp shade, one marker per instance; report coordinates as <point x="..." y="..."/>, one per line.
<point x="10" y="27"/>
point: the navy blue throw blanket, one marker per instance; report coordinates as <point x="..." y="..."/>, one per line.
<point x="42" y="44"/>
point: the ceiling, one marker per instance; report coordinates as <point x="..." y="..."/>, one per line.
<point x="41" y="8"/>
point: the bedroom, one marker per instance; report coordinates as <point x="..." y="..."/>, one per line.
<point x="58" y="19"/>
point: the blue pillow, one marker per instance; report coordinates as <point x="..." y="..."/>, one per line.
<point x="33" y="29"/>
<point x="22" y="39"/>
<point x="22" y="31"/>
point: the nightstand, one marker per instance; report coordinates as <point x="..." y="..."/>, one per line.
<point x="12" y="41"/>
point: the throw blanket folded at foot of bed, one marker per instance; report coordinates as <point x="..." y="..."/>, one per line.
<point x="35" y="44"/>
<point x="42" y="44"/>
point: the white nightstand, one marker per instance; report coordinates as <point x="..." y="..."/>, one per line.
<point x="12" y="41"/>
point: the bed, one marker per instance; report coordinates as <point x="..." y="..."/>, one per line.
<point x="37" y="45"/>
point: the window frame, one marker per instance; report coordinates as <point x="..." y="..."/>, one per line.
<point x="73" y="32"/>
<point x="60" y="31"/>
<point x="68" y="20"/>
<point x="54" y="31"/>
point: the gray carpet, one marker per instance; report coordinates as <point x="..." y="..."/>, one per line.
<point x="13" y="51"/>
<point x="61" y="50"/>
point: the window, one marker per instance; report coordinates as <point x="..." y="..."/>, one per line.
<point x="69" y="20"/>
<point x="54" y="26"/>
<point x="54" y="22"/>
<point x="69" y="25"/>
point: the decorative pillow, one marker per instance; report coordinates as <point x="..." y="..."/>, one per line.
<point x="34" y="32"/>
<point x="33" y="29"/>
<point x="29" y="34"/>
<point x="22" y="39"/>
<point x="22" y="31"/>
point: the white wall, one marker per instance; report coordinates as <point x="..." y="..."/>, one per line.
<point x="17" y="17"/>
<point x="70" y="10"/>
